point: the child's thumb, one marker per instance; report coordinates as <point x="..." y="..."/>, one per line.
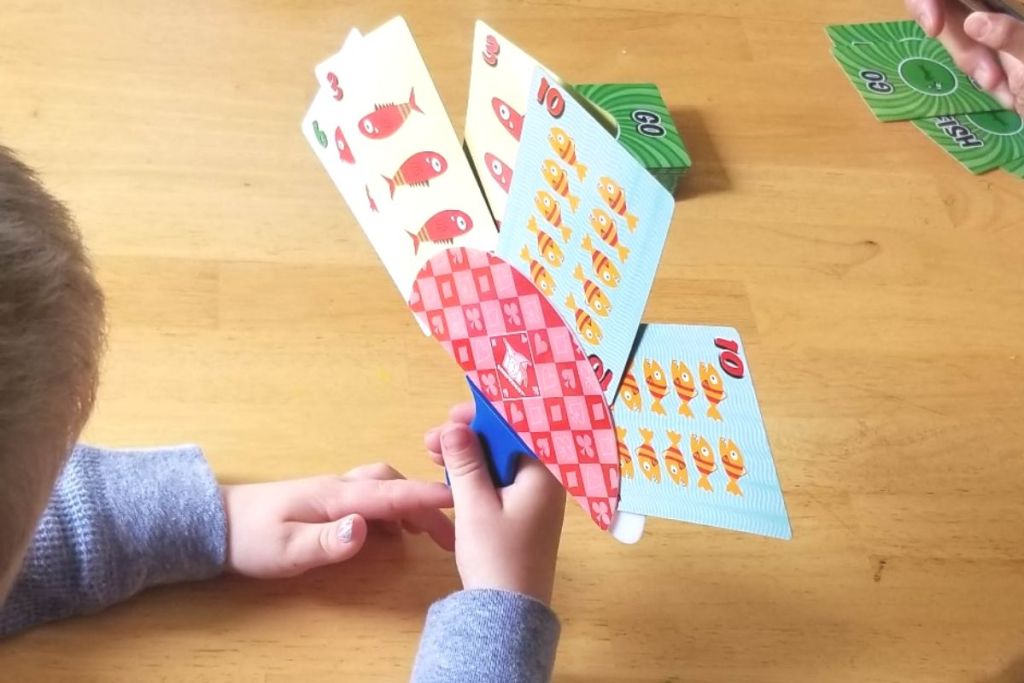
<point x="314" y="545"/>
<point x="468" y="475"/>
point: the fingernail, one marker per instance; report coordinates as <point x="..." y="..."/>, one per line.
<point x="981" y="75"/>
<point x="978" y="25"/>
<point x="924" y="19"/>
<point x="345" y="530"/>
<point x="455" y="438"/>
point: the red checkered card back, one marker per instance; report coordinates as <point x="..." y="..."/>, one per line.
<point x="519" y="352"/>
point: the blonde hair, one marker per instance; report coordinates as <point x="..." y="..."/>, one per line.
<point x="51" y="339"/>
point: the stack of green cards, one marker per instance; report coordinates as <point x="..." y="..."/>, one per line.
<point x="903" y="75"/>
<point x="643" y="125"/>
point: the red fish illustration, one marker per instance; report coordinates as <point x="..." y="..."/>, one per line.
<point x="386" y="119"/>
<point x="500" y="171"/>
<point x="509" y="117"/>
<point x="419" y="169"/>
<point x="442" y="228"/>
<point x="373" y="204"/>
<point x="344" y="151"/>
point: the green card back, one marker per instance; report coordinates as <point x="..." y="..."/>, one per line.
<point x="1015" y="167"/>
<point x="876" y="32"/>
<point x="644" y="126"/>
<point x="913" y="79"/>
<point x="982" y="141"/>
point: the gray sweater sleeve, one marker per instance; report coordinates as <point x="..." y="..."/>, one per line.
<point x="487" y="635"/>
<point x="117" y="522"/>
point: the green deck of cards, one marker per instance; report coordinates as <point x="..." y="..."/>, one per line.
<point x="645" y="127"/>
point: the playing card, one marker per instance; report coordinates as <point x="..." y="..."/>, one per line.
<point x="981" y="141"/>
<point x="692" y="444"/>
<point x="499" y="84"/>
<point x="527" y="362"/>
<point x="587" y="224"/>
<point x="876" y="32"/>
<point x="643" y="125"/>
<point x="1015" y="167"/>
<point x="413" y="171"/>
<point x="323" y="129"/>
<point x="912" y="79"/>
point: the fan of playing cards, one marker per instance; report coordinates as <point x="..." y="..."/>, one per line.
<point x="543" y="317"/>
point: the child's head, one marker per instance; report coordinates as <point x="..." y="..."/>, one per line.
<point x="51" y="336"/>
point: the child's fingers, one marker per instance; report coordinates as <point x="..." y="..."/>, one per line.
<point x="432" y="442"/>
<point x="533" y="486"/>
<point x="471" y="486"/>
<point x="313" y="545"/>
<point x="387" y="527"/>
<point x="462" y="412"/>
<point x="377" y="470"/>
<point x="393" y="499"/>
<point x="435" y="524"/>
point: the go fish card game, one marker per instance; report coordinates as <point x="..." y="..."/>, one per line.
<point x="528" y="252"/>
<point x="902" y="75"/>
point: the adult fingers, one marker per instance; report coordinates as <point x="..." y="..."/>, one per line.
<point x="975" y="59"/>
<point x="997" y="31"/>
<point x="471" y="484"/>
<point x="314" y="545"/>
<point x="929" y="14"/>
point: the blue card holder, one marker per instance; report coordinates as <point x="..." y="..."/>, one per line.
<point x="501" y="445"/>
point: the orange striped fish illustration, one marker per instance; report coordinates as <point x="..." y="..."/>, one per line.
<point x="596" y="299"/>
<point x="614" y="196"/>
<point x="604" y="226"/>
<point x="657" y="384"/>
<point x="732" y="461"/>
<point x="603" y="266"/>
<point x="586" y="325"/>
<point x="540" y="276"/>
<point x="558" y="179"/>
<point x="565" y="148"/>
<point x="625" y="459"/>
<point x="704" y="459"/>
<point x="686" y="389"/>
<point x="648" y="459"/>
<point x="714" y="391"/>
<point x="552" y="212"/>
<point x="674" y="461"/>
<point x="549" y="249"/>
<point x="630" y="391"/>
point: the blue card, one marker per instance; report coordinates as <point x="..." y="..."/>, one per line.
<point x="692" y="444"/>
<point x="587" y="223"/>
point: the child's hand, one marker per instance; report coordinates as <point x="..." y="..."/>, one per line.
<point x="507" y="538"/>
<point x="284" y="528"/>
<point x="987" y="46"/>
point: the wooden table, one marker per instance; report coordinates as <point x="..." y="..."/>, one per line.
<point x="879" y="289"/>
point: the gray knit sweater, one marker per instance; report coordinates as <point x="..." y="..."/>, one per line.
<point x="120" y="521"/>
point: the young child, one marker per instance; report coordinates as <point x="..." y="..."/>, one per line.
<point x="83" y="527"/>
